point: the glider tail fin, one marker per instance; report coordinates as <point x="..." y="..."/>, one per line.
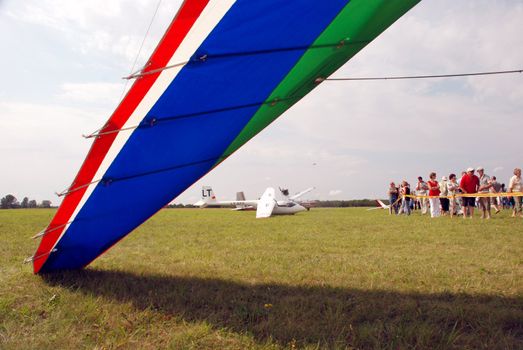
<point x="240" y="197"/>
<point x="208" y="197"/>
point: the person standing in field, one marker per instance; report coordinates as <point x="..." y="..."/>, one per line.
<point x="393" y="198"/>
<point x="495" y="188"/>
<point x="453" y="189"/>
<point x="434" y="191"/>
<point x="400" y="199"/>
<point x="421" y="190"/>
<point x="515" y="186"/>
<point x="504" y="200"/>
<point x="484" y="188"/>
<point x="469" y="184"/>
<point x="460" y="199"/>
<point x="405" y="192"/>
<point x="444" y="192"/>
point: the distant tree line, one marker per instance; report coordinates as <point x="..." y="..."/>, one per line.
<point x="346" y="203"/>
<point x="180" y="205"/>
<point x="316" y="204"/>
<point x="10" y="202"/>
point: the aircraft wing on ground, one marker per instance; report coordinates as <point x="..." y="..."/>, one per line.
<point x="244" y="208"/>
<point x="298" y="195"/>
<point x="374" y="208"/>
<point x="381" y="205"/>
<point x="239" y="204"/>
<point x="266" y="203"/>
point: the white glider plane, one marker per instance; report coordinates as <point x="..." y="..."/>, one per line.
<point x="265" y="207"/>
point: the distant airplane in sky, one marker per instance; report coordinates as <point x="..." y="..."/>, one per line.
<point x="265" y="207"/>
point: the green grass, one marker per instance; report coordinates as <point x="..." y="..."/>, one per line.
<point x="329" y="278"/>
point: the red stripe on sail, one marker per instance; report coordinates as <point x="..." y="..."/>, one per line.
<point x="180" y="26"/>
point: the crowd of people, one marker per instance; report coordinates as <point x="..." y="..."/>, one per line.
<point x="452" y="196"/>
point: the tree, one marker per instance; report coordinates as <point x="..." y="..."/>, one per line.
<point x="25" y="203"/>
<point x="8" y="201"/>
<point x="46" y="203"/>
<point x="31" y="204"/>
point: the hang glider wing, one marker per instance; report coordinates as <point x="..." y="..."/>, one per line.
<point x="224" y="68"/>
<point x="266" y="204"/>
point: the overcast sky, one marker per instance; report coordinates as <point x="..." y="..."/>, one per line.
<point x="62" y="63"/>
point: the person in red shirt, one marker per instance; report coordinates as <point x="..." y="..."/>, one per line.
<point x="469" y="184"/>
<point x="434" y="191"/>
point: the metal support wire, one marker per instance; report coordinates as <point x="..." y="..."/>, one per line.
<point x="155" y="121"/>
<point x="46" y="231"/>
<point x="109" y="181"/>
<point x="433" y="76"/>
<point x="317" y="80"/>
<point x="70" y="189"/>
<point x="99" y="133"/>
<point x="34" y="258"/>
<point x="208" y="56"/>
<point x="141" y="72"/>
<point x="145" y="37"/>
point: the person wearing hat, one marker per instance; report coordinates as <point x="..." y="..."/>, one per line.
<point x="444" y="191"/>
<point x="484" y="187"/>
<point x="469" y="184"/>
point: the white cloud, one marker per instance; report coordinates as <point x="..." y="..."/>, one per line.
<point x="335" y="192"/>
<point x="114" y="27"/>
<point x="96" y="92"/>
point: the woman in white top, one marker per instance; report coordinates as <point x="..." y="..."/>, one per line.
<point x="516" y="186"/>
<point x="453" y="189"/>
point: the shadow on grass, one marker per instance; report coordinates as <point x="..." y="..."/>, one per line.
<point x="325" y="316"/>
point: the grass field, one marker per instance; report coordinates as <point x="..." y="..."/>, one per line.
<point x="328" y="278"/>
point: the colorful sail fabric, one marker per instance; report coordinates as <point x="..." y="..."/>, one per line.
<point x="225" y="69"/>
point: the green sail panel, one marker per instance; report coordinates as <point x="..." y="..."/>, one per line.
<point x="360" y="22"/>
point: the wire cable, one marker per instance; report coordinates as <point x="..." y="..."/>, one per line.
<point x="208" y="56"/>
<point x="145" y="36"/>
<point x="433" y="76"/>
<point x="155" y="121"/>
